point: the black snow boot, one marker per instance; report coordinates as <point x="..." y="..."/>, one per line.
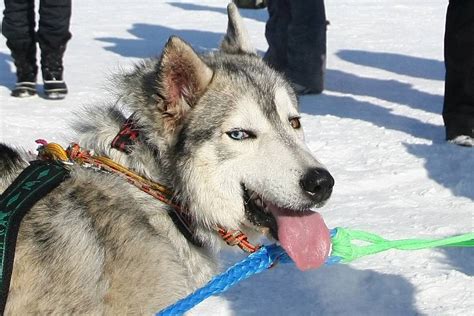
<point x="24" y="58"/>
<point x="55" y="87"/>
<point x="26" y="83"/>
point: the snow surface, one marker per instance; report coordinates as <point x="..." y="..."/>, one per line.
<point x="377" y="127"/>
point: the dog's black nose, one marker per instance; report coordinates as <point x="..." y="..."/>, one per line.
<point x="318" y="183"/>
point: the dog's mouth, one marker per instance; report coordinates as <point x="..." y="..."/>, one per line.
<point x="302" y="233"/>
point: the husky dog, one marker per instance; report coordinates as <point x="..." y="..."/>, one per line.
<point x="223" y="131"/>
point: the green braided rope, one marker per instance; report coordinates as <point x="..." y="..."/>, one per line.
<point x="343" y="243"/>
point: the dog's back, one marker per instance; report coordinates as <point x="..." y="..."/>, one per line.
<point x="75" y="244"/>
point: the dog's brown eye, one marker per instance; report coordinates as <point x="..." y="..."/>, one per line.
<point x="295" y="122"/>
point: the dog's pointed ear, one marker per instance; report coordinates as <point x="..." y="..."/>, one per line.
<point x="183" y="78"/>
<point x="236" y="39"/>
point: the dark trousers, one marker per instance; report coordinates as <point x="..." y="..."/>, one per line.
<point x="296" y="36"/>
<point x="19" y="27"/>
<point x="458" y="110"/>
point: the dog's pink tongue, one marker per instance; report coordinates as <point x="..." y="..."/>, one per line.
<point x="304" y="236"/>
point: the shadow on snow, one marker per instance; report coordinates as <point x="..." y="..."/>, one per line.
<point x="7" y="76"/>
<point x="411" y="66"/>
<point x="258" y="15"/>
<point x="333" y="290"/>
<point x="150" y="40"/>
<point x="384" y="89"/>
<point x="460" y="259"/>
<point x="348" y="107"/>
<point x="449" y="165"/>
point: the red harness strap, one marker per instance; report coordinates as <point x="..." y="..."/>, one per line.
<point x="127" y="136"/>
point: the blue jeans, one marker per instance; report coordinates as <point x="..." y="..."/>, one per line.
<point x="296" y="36"/>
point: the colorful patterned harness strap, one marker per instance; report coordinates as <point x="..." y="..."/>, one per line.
<point x="36" y="181"/>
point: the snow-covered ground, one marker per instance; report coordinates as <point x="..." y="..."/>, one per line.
<point x="377" y="127"/>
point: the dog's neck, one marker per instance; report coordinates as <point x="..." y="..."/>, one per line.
<point x="99" y="132"/>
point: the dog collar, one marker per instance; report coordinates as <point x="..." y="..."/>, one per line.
<point x="127" y="136"/>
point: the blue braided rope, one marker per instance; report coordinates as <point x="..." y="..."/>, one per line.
<point x="255" y="263"/>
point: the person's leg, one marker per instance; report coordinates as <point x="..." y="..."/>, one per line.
<point x="18" y="26"/>
<point x="276" y="31"/>
<point x="307" y="45"/>
<point x="458" y="110"/>
<point x="53" y="35"/>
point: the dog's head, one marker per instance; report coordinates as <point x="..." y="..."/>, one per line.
<point x="229" y="129"/>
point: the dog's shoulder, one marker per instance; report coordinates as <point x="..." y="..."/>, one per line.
<point x="77" y="239"/>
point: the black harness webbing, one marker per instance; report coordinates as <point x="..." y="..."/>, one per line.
<point x="37" y="180"/>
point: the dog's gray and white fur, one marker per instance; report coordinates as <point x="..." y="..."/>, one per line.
<point x="212" y="127"/>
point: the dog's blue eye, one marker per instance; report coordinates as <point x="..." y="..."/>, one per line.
<point x="238" y="134"/>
